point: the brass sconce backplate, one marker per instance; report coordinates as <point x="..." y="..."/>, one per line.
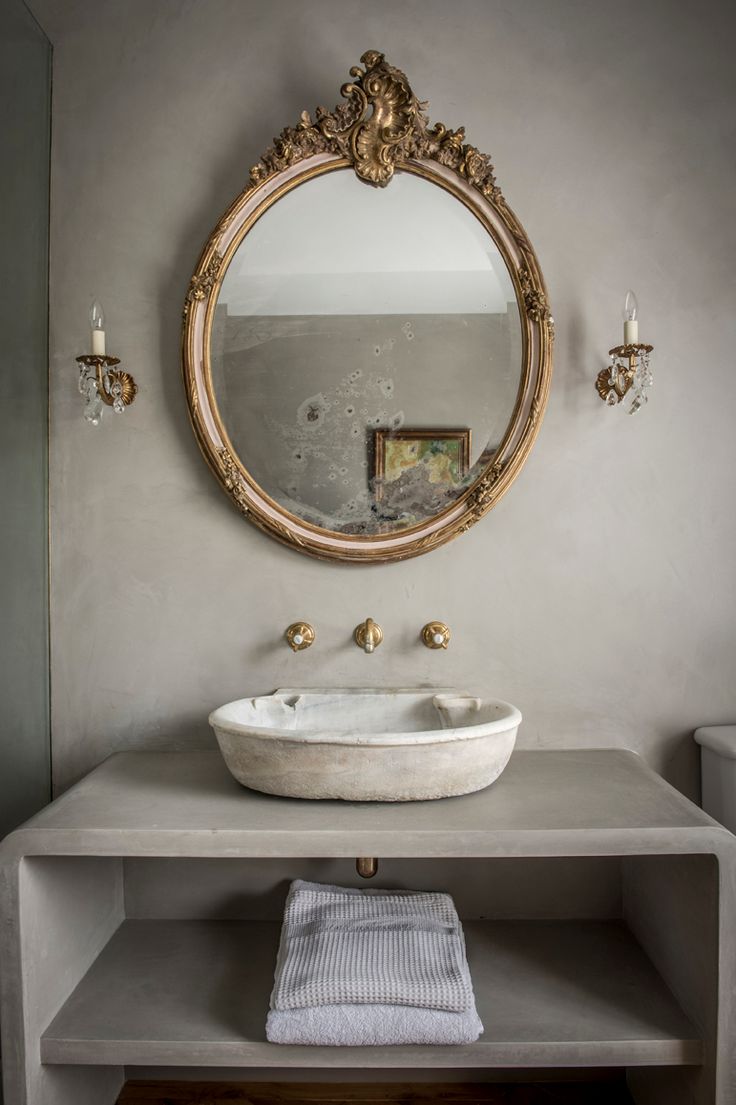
<point x="113" y="385"/>
<point x="614" y="382"/>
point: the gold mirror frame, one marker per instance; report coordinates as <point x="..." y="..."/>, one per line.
<point x="380" y="128"/>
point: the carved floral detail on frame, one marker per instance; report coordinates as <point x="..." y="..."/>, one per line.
<point x="535" y="300"/>
<point x="381" y="124"/>
<point x="234" y="485"/>
<point x="203" y="282"/>
<point x="233" y="481"/>
<point x="481" y="496"/>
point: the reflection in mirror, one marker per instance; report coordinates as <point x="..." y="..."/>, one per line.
<point x="366" y="351"/>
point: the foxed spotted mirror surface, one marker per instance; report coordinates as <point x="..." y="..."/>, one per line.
<point x="367" y="338"/>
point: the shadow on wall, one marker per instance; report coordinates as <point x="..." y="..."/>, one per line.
<point x="681" y="765"/>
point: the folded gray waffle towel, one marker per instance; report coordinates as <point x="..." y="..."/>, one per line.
<point x="370" y="966"/>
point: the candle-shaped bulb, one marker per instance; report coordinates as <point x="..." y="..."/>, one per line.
<point x="631" y="319"/>
<point x="97" y="316"/>
<point x="97" y="325"/>
<point x="631" y="307"/>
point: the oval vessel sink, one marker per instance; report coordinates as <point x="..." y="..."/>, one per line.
<point x="366" y="745"/>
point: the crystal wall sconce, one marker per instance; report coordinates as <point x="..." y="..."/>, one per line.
<point x="629" y="371"/>
<point x="100" y="382"/>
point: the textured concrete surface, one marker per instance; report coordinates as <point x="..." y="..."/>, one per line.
<point x="551" y="803"/>
<point x="599" y="595"/>
<point x="63" y="901"/>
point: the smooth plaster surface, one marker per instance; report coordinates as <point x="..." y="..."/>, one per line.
<point x="25" y="95"/>
<point x="599" y="595"/>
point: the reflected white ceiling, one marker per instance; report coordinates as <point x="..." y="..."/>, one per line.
<point x="335" y="245"/>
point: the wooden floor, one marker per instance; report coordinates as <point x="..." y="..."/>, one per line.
<point x="295" y="1093"/>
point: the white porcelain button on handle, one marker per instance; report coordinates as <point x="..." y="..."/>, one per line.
<point x="300" y="635"/>
<point x="435" y="635"/>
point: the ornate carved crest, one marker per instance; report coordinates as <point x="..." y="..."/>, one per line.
<point x="381" y="124"/>
<point x="387" y="114"/>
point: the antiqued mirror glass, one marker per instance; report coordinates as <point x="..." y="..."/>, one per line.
<point x="367" y="338"/>
<point x="345" y="311"/>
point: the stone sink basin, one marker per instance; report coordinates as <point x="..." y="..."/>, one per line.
<point x="396" y="745"/>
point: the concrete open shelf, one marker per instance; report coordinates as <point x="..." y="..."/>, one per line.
<point x="140" y="918"/>
<point x="195" y="993"/>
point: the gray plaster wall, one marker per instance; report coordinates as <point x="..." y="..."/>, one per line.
<point x="25" y="90"/>
<point x="599" y="596"/>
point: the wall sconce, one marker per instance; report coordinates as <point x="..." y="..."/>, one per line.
<point x="629" y="369"/>
<point x="100" y="382"/>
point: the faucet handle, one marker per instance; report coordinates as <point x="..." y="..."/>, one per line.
<point x="436" y="635"/>
<point x="368" y="635"/>
<point x="300" y="635"/>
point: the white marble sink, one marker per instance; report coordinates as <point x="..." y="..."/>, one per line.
<point x="394" y="745"/>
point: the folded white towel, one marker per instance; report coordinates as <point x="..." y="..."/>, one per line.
<point x="378" y="1025"/>
<point x="371" y="966"/>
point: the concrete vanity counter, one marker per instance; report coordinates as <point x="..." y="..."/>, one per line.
<point x="140" y="917"/>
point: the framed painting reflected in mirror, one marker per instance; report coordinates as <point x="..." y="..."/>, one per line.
<point x="416" y="471"/>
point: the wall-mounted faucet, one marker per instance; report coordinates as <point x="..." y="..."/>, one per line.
<point x="368" y="635"/>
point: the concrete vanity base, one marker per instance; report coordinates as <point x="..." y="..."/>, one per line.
<point x="140" y="919"/>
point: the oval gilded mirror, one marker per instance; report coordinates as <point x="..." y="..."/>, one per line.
<point x="367" y="339"/>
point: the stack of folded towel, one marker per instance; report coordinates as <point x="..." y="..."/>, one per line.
<point x="371" y="967"/>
